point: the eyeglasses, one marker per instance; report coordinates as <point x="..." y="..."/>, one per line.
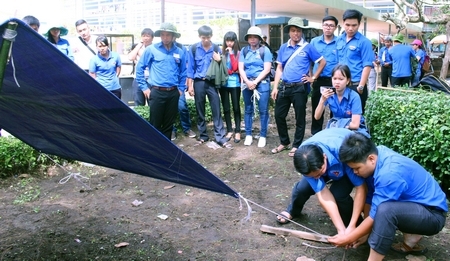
<point x="329" y="25"/>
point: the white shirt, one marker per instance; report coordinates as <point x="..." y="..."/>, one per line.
<point x="82" y="53"/>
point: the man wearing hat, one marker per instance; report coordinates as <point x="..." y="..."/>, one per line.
<point x="355" y="50"/>
<point x="54" y="36"/>
<point x="386" y="62"/>
<point x="420" y="56"/>
<point x="167" y="66"/>
<point x="293" y="61"/>
<point x="401" y="61"/>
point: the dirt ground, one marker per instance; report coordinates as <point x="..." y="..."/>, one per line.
<point x="42" y="219"/>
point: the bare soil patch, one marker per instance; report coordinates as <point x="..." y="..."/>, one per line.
<point x="44" y="220"/>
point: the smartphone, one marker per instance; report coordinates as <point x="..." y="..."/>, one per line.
<point x="323" y="88"/>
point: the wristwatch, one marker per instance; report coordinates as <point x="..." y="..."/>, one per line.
<point x="314" y="78"/>
<point x="360" y="88"/>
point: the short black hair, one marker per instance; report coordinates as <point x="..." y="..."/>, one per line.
<point x="205" y="31"/>
<point x="352" y="14"/>
<point x="356" y="147"/>
<point x="31" y="20"/>
<point x="308" y="158"/>
<point x="344" y="69"/>
<point x="102" y="39"/>
<point x="330" y="18"/>
<point x="80" y="22"/>
<point x="147" y="31"/>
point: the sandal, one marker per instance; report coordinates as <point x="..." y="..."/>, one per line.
<point x="280" y="148"/>
<point x="403" y="248"/>
<point x="283" y="218"/>
<point x="229" y="136"/>
<point x="201" y="141"/>
<point x="237" y="137"/>
<point x="225" y="145"/>
<point x="292" y="152"/>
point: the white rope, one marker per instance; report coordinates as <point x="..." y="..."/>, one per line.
<point x="249" y="208"/>
<point x="273" y="212"/>
<point x="10" y="35"/>
<point x="77" y="176"/>
<point x="256" y="96"/>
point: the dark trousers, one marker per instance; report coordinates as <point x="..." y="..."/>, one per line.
<point x="400" y="81"/>
<point x="340" y="189"/>
<point x="202" y="89"/>
<point x="163" y="110"/>
<point x="235" y="94"/>
<point x="363" y="96"/>
<point x="408" y="217"/>
<point x="386" y="74"/>
<point x="317" y="125"/>
<point x="138" y="95"/>
<point x="297" y="96"/>
<point x="118" y="93"/>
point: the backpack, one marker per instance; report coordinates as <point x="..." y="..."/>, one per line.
<point x="271" y="75"/>
<point x="426" y="66"/>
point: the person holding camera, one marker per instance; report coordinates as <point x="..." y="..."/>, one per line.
<point x="344" y="104"/>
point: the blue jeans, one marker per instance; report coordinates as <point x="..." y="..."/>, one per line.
<point x="340" y="189"/>
<point x="185" y="118"/>
<point x="408" y="217"/>
<point x="263" y="106"/>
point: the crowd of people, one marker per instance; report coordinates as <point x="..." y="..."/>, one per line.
<point x="393" y="192"/>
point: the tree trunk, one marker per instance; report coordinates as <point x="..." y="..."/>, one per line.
<point x="446" y="59"/>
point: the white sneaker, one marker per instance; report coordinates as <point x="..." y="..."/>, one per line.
<point x="262" y="142"/>
<point x="248" y="140"/>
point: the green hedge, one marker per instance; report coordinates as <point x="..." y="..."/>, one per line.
<point x="415" y="124"/>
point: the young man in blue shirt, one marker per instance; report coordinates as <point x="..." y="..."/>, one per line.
<point x="326" y="45"/>
<point x="404" y="197"/>
<point x="355" y="50"/>
<point x="200" y="57"/>
<point x="401" y="61"/>
<point x="294" y="59"/>
<point x="167" y="67"/>
<point x="386" y="62"/>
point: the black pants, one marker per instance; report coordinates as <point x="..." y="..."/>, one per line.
<point x="386" y="74"/>
<point x="362" y="95"/>
<point x="163" y="110"/>
<point x="235" y="94"/>
<point x="317" y="125"/>
<point x="401" y="81"/>
<point x="297" y="96"/>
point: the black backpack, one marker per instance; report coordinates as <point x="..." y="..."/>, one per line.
<point x="271" y="75"/>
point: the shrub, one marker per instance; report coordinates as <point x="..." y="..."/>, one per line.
<point x="415" y="124"/>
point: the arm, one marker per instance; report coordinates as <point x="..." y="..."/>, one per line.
<point x="365" y="75"/>
<point x="362" y="230"/>
<point x="358" y="206"/>
<point x="321" y="106"/>
<point x="118" y="69"/>
<point x="276" y="81"/>
<point x="93" y="74"/>
<point x="132" y="56"/>
<point x="328" y="202"/>
<point x="319" y="70"/>
<point x="354" y="124"/>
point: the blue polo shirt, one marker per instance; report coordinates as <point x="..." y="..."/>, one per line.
<point x="198" y="65"/>
<point x="401" y="60"/>
<point x="419" y="52"/>
<point x="385" y="57"/>
<point x="253" y="64"/>
<point x="299" y="66"/>
<point x="167" y="67"/>
<point x="105" y="70"/>
<point x="330" y="140"/>
<point x="329" y="53"/>
<point x="350" y="104"/>
<point x="64" y="46"/>
<point x="356" y="53"/>
<point x="399" y="178"/>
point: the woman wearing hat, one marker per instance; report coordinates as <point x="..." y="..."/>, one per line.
<point x="255" y="62"/>
<point x="54" y="36"/>
<point x="420" y="56"/>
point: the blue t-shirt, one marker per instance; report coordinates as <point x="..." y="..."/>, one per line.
<point x="64" y="46"/>
<point x="329" y="53"/>
<point x="349" y="105"/>
<point x="356" y="53"/>
<point x="253" y="64"/>
<point x="299" y="65"/>
<point x="167" y="67"/>
<point x="401" y="60"/>
<point x="105" y="70"/>
<point x="330" y="140"/>
<point x="399" y="178"/>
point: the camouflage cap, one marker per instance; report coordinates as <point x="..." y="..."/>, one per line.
<point x="167" y="27"/>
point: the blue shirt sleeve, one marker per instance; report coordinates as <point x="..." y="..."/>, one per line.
<point x="144" y="62"/>
<point x="190" y="63"/>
